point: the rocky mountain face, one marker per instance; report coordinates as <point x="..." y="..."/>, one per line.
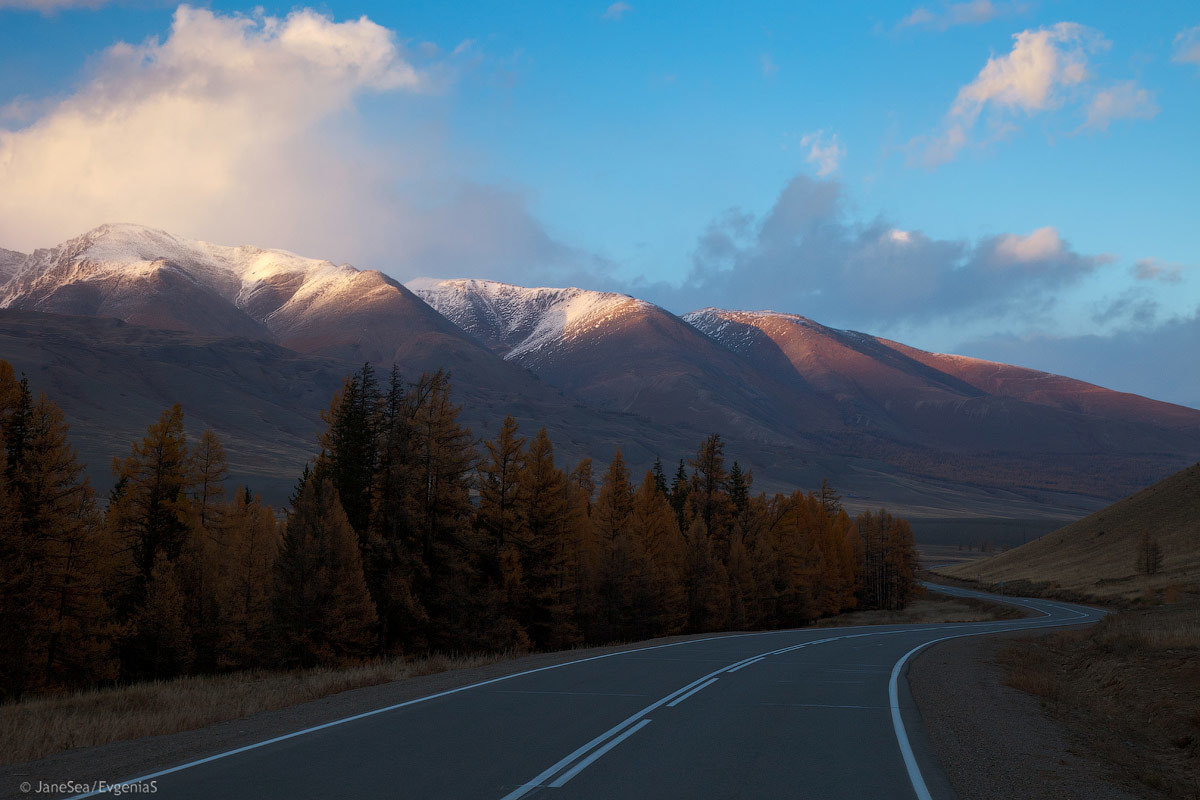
<point x="206" y="325"/>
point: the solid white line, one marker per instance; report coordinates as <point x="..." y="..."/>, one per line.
<point x="456" y="690"/>
<point x="910" y="761"/>
<point x="587" y="762"/>
<point x="679" y="700"/>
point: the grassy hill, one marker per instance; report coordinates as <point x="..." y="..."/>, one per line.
<point x="1098" y="554"/>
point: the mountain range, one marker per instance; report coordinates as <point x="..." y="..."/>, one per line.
<point x="124" y="320"/>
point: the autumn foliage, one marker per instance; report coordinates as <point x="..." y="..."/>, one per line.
<point x="405" y="535"/>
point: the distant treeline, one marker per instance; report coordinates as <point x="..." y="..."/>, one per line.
<point x="402" y="537"/>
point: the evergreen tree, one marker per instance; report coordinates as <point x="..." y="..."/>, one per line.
<point x="1149" y="554"/>
<point x="441" y="513"/>
<point x="679" y="495"/>
<point x="149" y="516"/>
<point x="738" y="488"/>
<point x="209" y="472"/>
<point x="831" y="501"/>
<point x="243" y="590"/>
<point x="396" y="566"/>
<point x="54" y="624"/>
<point x="705" y="581"/>
<point x="322" y="611"/>
<point x="349" y="447"/>
<point x="660" y="478"/>
<point x="652" y="522"/>
<point x="548" y="548"/>
<point x="504" y="538"/>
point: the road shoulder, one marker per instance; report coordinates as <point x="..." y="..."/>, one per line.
<point x="994" y="742"/>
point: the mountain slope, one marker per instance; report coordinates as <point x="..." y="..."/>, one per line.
<point x="10" y="260"/>
<point x="152" y="278"/>
<point x="948" y="414"/>
<point x="1097" y="555"/>
<point x="627" y="354"/>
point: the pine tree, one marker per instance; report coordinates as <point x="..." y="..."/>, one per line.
<point x="322" y="611"/>
<point x="548" y="548"/>
<point x="660" y="478"/>
<point x="504" y="537"/>
<point x="679" y="494"/>
<point x="441" y="511"/>
<point x="349" y="446"/>
<point x="396" y="568"/>
<point x="583" y="479"/>
<point x="652" y="521"/>
<point x="54" y="624"/>
<point x="738" y="488"/>
<point x="706" y="582"/>
<point x="243" y="590"/>
<point x="831" y="501"/>
<point x="1149" y="554"/>
<point x="149" y="519"/>
<point x="209" y="472"/>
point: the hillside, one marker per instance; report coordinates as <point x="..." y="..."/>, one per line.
<point x="928" y="435"/>
<point x="1097" y="555"/>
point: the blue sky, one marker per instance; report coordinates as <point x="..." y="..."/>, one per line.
<point x="1009" y="180"/>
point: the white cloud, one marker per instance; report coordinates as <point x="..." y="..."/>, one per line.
<point x="1152" y="269"/>
<point x="1029" y="79"/>
<point x="825" y="154"/>
<point x="244" y="129"/>
<point x="617" y="11"/>
<point x="1040" y="245"/>
<point x="808" y="255"/>
<point x="973" y="12"/>
<point x="1124" y="100"/>
<point x="769" y="67"/>
<point x="1187" y="46"/>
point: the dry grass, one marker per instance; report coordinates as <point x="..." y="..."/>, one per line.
<point x="37" y="727"/>
<point x="934" y="608"/>
<point x="1096" y="557"/>
<point x="1129" y="688"/>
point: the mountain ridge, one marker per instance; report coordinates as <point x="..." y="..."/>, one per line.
<point x="796" y="399"/>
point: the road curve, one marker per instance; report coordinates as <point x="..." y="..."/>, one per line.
<point x="811" y="713"/>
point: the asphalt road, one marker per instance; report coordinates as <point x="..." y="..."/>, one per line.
<point x="810" y="713"/>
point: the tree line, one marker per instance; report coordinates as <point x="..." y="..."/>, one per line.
<point x="402" y="537"/>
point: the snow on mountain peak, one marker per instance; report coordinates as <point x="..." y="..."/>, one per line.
<point x="523" y="321"/>
<point x="122" y="250"/>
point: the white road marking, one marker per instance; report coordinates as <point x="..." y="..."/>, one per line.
<point x="587" y="762"/>
<point x="603" y="737"/>
<point x="821" y="705"/>
<point x="910" y="761"/>
<point x="679" y="700"/>
<point x="583" y="694"/>
<point x="746" y="664"/>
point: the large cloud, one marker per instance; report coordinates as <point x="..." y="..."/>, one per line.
<point x="807" y="255"/>
<point x="1046" y="68"/>
<point x="244" y="129"/>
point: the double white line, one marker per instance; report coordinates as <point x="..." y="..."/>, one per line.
<point x="579" y="760"/>
<point x="586" y="755"/>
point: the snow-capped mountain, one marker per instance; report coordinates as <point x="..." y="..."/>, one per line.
<point x="523" y="324"/>
<point x="621" y="352"/>
<point x="152" y="278"/>
<point x="793" y="398"/>
<point x="10" y="260"/>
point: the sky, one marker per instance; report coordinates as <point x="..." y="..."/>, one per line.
<point x="1007" y="180"/>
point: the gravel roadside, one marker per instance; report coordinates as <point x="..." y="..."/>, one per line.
<point x="995" y="742"/>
